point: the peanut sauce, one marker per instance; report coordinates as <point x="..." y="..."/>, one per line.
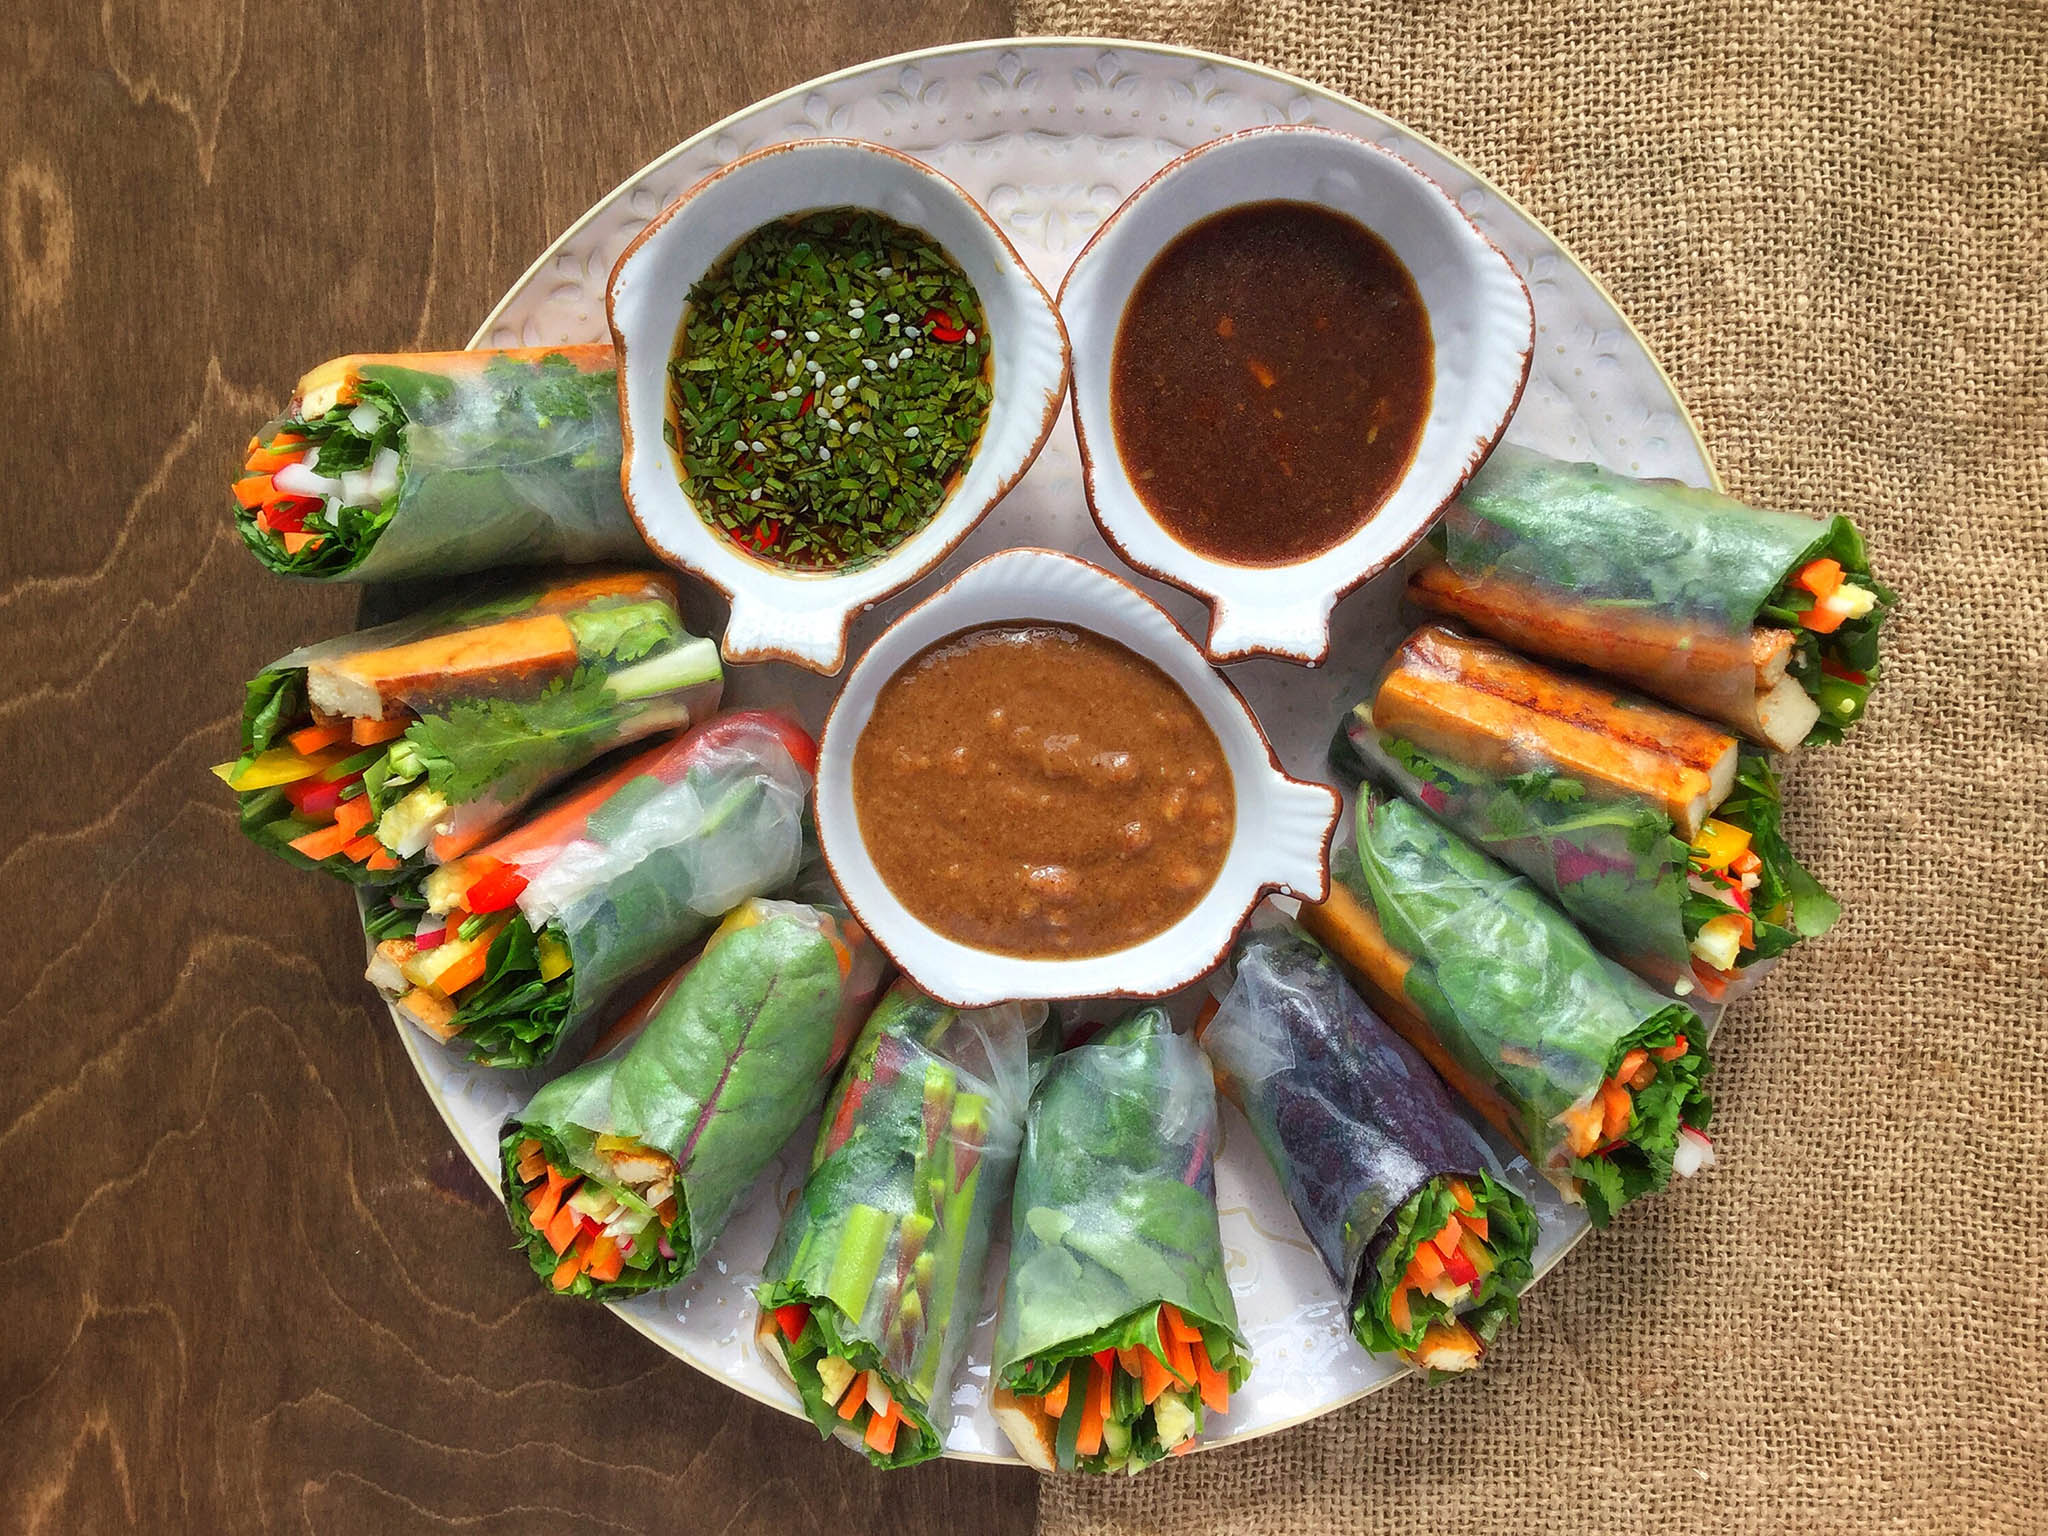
<point x="1270" y="381"/>
<point x="1039" y="790"/>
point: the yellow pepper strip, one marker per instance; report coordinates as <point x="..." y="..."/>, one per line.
<point x="280" y="765"/>
<point x="1719" y="844"/>
<point x="554" y="956"/>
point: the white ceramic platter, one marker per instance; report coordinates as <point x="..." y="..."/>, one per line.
<point x="1050" y="136"/>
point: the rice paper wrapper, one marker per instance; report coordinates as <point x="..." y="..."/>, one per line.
<point x="1115" y="1205"/>
<point x="492" y="740"/>
<point x="1700" y="563"/>
<point x="727" y="1060"/>
<point x="1511" y="989"/>
<point x="506" y="458"/>
<point x="914" y="1159"/>
<point x="710" y="820"/>
<point x="1353" y="1121"/>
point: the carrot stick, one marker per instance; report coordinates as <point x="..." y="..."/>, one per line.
<point x="323" y="844"/>
<point x="1615" y="1108"/>
<point x="564" y="820"/>
<point x="881" y="1433"/>
<point x="263" y="461"/>
<point x="1093" y="1412"/>
<point x="468" y="969"/>
<point x="1671" y="1052"/>
<point x="367" y="733"/>
<point x="295" y="541"/>
<point x="1397" y="1309"/>
<point x="856" y="1394"/>
<point x="354" y="814"/>
<point x="1182" y="1329"/>
<point x="1215" y="1386"/>
<point x="561" y="1231"/>
<point x="605" y="1260"/>
<point x="382" y="860"/>
<point x="252" y="491"/>
<point x="359" y="849"/>
<point x="1426" y="1268"/>
<point x="566" y="1272"/>
<point x="1153" y="1379"/>
<point x="310" y="739"/>
<point x="1054" y="1403"/>
<point x="1179" y="1358"/>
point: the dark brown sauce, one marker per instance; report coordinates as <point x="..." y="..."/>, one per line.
<point x="1270" y="381"/>
<point x="1039" y="790"/>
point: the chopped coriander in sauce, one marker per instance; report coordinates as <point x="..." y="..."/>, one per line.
<point x="829" y="384"/>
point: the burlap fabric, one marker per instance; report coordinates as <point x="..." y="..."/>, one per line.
<point x="1827" y="220"/>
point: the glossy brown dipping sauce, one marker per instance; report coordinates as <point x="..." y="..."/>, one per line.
<point x="1038" y="790"/>
<point x="1270" y="381"/>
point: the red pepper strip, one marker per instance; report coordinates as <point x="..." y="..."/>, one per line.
<point x="495" y="890"/>
<point x="940" y="327"/>
<point x="314" y="798"/>
<point x="805" y="409"/>
<point x="1835" y="669"/>
<point x="288" y="514"/>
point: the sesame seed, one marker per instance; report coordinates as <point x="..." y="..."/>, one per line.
<point x="780" y="394"/>
<point x="855" y="311"/>
<point x="910" y="431"/>
<point x="870" y="364"/>
<point x="779" y="334"/>
<point x="910" y="333"/>
<point x="810" y="335"/>
<point x="885" y="271"/>
<point x="824" y="454"/>
<point x="754" y="494"/>
<point x="968" y="338"/>
<point x="892" y="318"/>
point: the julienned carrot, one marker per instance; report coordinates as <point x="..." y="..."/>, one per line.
<point x="381" y="860"/>
<point x="605" y="1260"/>
<point x="253" y="490"/>
<point x="282" y="451"/>
<point x="1094" y="1411"/>
<point x="323" y="844"/>
<point x="469" y="968"/>
<point x="1215" y="1385"/>
<point x="1179" y="1357"/>
<point x="561" y="1231"/>
<point x="1461" y="1195"/>
<point x="1671" y="1052"/>
<point x="1820" y="577"/>
<point x="1474" y="1224"/>
<point x="368" y="733"/>
<point x="354" y="814"/>
<point x="1615" y="1108"/>
<point x="881" y="1433"/>
<point x="1152" y="1378"/>
<point x="1397" y="1309"/>
<point x="566" y="1272"/>
<point x="1426" y="1268"/>
<point x="564" y="821"/>
<point x="1055" y="1401"/>
<point x="359" y="849"/>
<point x="543" y="1214"/>
<point x="1182" y="1329"/>
<point x="856" y="1394"/>
<point x="310" y="739"/>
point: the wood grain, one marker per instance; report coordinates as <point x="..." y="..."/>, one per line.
<point x="249" y="1284"/>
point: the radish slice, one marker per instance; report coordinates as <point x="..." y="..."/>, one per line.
<point x="430" y="938"/>
<point x="1693" y="1153"/>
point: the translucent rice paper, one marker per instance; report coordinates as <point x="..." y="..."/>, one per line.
<point x="1513" y="992"/>
<point x="504" y="737"/>
<point x="1115" y="1206"/>
<point x="1352" y="1119"/>
<point x="507" y="458"/>
<point x="703" y="823"/>
<point x="1648" y="580"/>
<point x="914" y="1158"/>
<point x="728" y="1058"/>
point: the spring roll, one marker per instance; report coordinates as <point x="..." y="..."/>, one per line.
<point x="1657" y="833"/>
<point x="400" y="465"/>
<point x="1117" y="1336"/>
<point x="871" y="1290"/>
<point x="1594" y="1076"/>
<point x="620" y="1174"/>
<point x="511" y="949"/>
<point x="376" y="754"/>
<point x="1398" y="1193"/>
<point x="1765" y="621"/>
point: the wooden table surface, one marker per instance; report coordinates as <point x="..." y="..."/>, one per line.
<point x="248" y="1281"/>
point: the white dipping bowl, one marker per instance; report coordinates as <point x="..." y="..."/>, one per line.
<point x="1482" y="327"/>
<point x="1281" y="841"/>
<point x="802" y="616"/>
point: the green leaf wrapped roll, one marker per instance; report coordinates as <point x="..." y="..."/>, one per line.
<point x="394" y="466"/>
<point x="1657" y="833"/>
<point x="1118" y="1334"/>
<point x="376" y="754"/>
<point x="1393" y="1187"/>
<point x="1765" y="621"/>
<point x="869" y="1295"/>
<point x="1592" y="1074"/>
<point x="620" y="1174"/>
<point x="512" y="948"/>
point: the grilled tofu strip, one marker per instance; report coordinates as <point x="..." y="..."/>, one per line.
<point x="1479" y="704"/>
<point x="1739" y="680"/>
<point x="515" y="653"/>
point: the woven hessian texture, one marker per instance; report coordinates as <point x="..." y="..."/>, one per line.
<point x="1827" y="221"/>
